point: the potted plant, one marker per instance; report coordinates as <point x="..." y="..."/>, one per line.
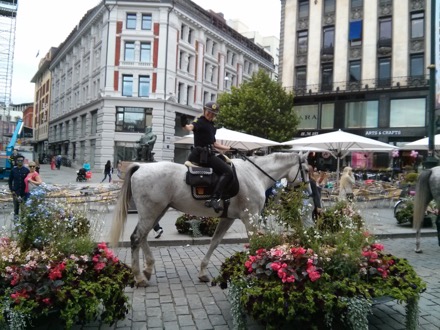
<point x="196" y="226"/>
<point x="326" y="276"/>
<point x="50" y="266"/>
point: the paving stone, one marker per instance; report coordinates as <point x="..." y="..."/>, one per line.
<point x="185" y="320"/>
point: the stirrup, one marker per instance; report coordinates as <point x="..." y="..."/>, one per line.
<point x="215" y="204"/>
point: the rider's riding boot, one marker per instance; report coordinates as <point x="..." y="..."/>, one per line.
<point x="215" y="201"/>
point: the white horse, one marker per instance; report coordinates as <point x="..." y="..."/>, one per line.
<point x="155" y="187"/>
<point x="427" y="189"/>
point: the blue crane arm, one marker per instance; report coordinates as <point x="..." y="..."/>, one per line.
<point x="14" y="137"/>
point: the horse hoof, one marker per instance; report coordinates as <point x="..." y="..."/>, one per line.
<point x="147" y="275"/>
<point x="204" y="278"/>
<point x="142" y="284"/>
<point x="418" y="251"/>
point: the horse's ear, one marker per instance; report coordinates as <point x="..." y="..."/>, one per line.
<point x="305" y="156"/>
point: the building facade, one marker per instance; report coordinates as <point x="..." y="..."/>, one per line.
<point x="130" y="65"/>
<point x="358" y="65"/>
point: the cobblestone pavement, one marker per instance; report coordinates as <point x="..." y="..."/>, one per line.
<point x="177" y="300"/>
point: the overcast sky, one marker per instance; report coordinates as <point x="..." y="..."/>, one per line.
<point x="42" y="24"/>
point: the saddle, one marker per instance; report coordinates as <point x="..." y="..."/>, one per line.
<point x="203" y="181"/>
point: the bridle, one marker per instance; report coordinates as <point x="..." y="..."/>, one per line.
<point x="301" y="172"/>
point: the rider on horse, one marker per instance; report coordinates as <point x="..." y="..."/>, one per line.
<point x="204" y="149"/>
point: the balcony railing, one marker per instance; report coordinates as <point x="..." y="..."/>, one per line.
<point x="405" y="82"/>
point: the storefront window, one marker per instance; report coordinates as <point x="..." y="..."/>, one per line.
<point x="308" y="116"/>
<point x="327" y="115"/>
<point x="408" y="113"/>
<point x="361" y="114"/>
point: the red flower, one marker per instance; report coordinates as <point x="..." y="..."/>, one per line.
<point x="19" y="295"/>
<point x="56" y="271"/>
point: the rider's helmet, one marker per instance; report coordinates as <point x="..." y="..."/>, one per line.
<point x="212" y="107"/>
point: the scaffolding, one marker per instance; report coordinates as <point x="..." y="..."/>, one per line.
<point x="8" y="15"/>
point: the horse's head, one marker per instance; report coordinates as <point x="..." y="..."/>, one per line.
<point x="299" y="173"/>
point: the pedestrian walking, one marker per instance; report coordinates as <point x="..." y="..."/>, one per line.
<point x="17" y="184"/>
<point x="108" y="171"/>
<point x="52" y="163"/>
<point x="346" y="184"/>
<point x="58" y="162"/>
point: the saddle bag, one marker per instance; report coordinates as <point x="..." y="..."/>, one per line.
<point x="199" y="176"/>
<point x="201" y="180"/>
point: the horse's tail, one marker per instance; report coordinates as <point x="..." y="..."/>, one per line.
<point x="120" y="213"/>
<point x="422" y="198"/>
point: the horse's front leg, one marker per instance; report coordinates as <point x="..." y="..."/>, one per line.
<point x="220" y="231"/>
<point x="138" y="239"/>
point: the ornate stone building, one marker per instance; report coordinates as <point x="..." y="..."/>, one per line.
<point x="358" y="65"/>
<point x="135" y="64"/>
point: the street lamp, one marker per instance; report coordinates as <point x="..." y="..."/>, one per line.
<point x="431" y="161"/>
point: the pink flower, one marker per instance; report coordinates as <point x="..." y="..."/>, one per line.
<point x="288" y="279"/>
<point x="99" y="266"/>
<point x="276" y="253"/>
<point x="102" y="246"/>
<point x="377" y="246"/>
<point x="297" y="252"/>
<point x="56" y="271"/>
<point x="275" y="266"/>
<point x="47" y="301"/>
<point x="314" y="276"/>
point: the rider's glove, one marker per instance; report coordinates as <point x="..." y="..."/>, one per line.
<point x="234" y="150"/>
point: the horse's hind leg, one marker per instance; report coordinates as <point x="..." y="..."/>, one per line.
<point x="137" y="239"/>
<point x="220" y="231"/>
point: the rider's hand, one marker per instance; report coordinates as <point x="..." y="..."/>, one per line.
<point x="234" y="150"/>
<point x="183" y="120"/>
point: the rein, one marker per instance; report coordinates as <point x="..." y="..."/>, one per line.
<point x="261" y="170"/>
<point x="266" y="174"/>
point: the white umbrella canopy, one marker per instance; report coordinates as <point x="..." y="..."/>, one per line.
<point x="234" y="139"/>
<point x="422" y="144"/>
<point x="340" y="143"/>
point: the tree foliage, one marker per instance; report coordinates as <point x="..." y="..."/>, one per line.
<point x="260" y="107"/>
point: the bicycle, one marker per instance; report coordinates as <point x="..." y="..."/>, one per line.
<point x="404" y="204"/>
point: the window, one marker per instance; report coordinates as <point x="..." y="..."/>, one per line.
<point x="417" y="25"/>
<point x="303" y="10"/>
<point x="130" y="119"/>
<point x="83" y="125"/>
<point x="327" y="115"/>
<point x="146" y="22"/>
<point x="329" y="6"/>
<point x="327" y="77"/>
<point x="363" y="114"/>
<point x="355" y="36"/>
<point x="129" y="51"/>
<point x="145" y="52"/>
<point x="131" y="22"/>
<point x="144" y="86"/>
<point x="408" y="113"/>
<point x="302" y="41"/>
<point x="328" y="39"/>
<point x="416" y="65"/>
<point x="356" y="3"/>
<point x="385" y="32"/>
<point x="127" y="85"/>
<point x="307" y="115"/>
<point x="301" y="77"/>
<point x="94" y="126"/>
<point x="384" y="73"/>
<point x="354" y="71"/>
<point x="74" y="128"/>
